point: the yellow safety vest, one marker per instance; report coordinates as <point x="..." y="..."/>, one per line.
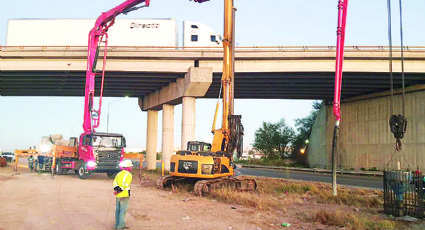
<point x="123" y="179"/>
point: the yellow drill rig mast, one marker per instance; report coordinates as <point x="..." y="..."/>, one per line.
<point x="222" y="136"/>
<point x="211" y="166"/>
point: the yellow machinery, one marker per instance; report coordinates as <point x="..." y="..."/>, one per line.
<point x="61" y="152"/>
<point x="23" y="153"/>
<point x="211" y="166"/>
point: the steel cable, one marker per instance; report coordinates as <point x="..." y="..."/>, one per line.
<point x="390" y="44"/>
<point x="402" y="58"/>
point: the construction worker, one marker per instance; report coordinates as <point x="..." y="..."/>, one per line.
<point x="121" y="186"/>
<point x="40" y="161"/>
<point x="31" y="163"/>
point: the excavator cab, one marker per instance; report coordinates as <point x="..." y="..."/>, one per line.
<point x="198" y="146"/>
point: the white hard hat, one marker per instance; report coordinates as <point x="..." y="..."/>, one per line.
<point x="126" y="163"/>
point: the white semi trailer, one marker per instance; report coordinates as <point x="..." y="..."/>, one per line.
<point x="125" y="32"/>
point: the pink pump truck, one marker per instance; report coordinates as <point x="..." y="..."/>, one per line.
<point x="96" y="152"/>
<point x="100" y="152"/>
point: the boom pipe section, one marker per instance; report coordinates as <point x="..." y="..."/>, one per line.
<point x="103" y="22"/>
<point x="342" y="16"/>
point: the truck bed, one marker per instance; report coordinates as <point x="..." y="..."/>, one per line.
<point x="65" y="151"/>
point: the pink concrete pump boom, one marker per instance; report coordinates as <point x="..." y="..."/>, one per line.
<point x="342" y="16"/>
<point x="100" y="152"/>
<point x="98" y="35"/>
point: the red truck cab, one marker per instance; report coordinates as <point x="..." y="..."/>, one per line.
<point x="100" y="152"/>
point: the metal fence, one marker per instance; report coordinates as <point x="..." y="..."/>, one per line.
<point x="404" y="193"/>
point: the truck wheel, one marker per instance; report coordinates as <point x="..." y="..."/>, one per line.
<point x="82" y="172"/>
<point x="59" y="169"/>
<point x="111" y="175"/>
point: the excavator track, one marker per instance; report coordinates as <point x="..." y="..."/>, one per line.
<point x="205" y="187"/>
<point x="165" y="182"/>
<point x="170" y="181"/>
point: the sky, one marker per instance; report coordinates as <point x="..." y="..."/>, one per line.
<point x="24" y="120"/>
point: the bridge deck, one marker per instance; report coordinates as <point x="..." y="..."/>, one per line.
<point x="264" y="72"/>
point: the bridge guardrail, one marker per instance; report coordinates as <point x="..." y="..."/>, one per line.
<point x="316" y="170"/>
<point x="239" y="48"/>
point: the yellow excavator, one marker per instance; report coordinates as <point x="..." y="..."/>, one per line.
<point x="211" y="166"/>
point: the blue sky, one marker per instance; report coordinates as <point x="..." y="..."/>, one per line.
<point x="24" y="120"/>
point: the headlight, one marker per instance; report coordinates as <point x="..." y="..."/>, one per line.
<point x="45" y="148"/>
<point x="91" y="164"/>
<point x="207" y="169"/>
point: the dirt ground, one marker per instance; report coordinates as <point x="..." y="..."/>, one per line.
<point x="36" y="201"/>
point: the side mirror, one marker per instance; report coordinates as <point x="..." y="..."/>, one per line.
<point x="124" y="144"/>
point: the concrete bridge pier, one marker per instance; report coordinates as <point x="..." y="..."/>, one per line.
<point x="185" y="90"/>
<point x="151" y="139"/>
<point x="188" y="121"/>
<point x="167" y="134"/>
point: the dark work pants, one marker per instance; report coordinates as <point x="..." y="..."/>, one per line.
<point x="121" y="207"/>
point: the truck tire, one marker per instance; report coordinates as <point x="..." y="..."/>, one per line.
<point x="82" y="172"/>
<point x="111" y="175"/>
<point x="59" y="169"/>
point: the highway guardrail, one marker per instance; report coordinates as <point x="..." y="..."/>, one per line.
<point x="315" y="170"/>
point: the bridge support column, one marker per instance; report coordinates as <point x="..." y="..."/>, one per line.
<point x="167" y="134"/>
<point x="195" y="83"/>
<point x="151" y="139"/>
<point x="188" y="120"/>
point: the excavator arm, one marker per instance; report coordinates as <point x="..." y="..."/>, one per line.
<point x="210" y="167"/>
<point x="97" y="36"/>
<point x="229" y="137"/>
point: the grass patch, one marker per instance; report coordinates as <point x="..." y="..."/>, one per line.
<point x="351" y="220"/>
<point x="182" y="188"/>
<point x="293" y="188"/>
<point x="249" y="199"/>
<point x="278" y="187"/>
<point x="353" y="198"/>
<point x="310" y="202"/>
<point x="272" y="193"/>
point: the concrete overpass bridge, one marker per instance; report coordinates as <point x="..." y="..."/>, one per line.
<point x="163" y="77"/>
<point x="268" y="72"/>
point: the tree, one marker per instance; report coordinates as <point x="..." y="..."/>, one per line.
<point x="304" y="127"/>
<point x="273" y="138"/>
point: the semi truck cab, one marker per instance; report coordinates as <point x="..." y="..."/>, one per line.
<point x="101" y="152"/>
